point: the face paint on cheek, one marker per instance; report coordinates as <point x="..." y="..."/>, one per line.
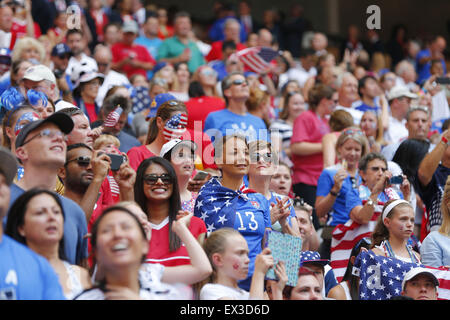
<point x="24" y="120"/>
<point x="175" y="127"/>
<point x="235" y="266"/>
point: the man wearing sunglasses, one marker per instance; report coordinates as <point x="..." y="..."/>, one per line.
<point x="41" y="148"/>
<point x="235" y="117"/>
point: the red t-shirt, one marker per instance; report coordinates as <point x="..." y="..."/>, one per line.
<point x="138" y="154"/>
<point x="216" y="50"/>
<point x="308" y="128"/>
<point x="104" y="200"/>
<point x="159" y="244"/>
<point x="121" y="51"/>
<point x="90" y="109"/>
<point x="199" y="108"/>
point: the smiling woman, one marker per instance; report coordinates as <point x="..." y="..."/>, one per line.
<point x="157" y="193"/>
<point x="36" y="219"/>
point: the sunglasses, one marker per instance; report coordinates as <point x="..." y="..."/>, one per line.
<point x="47" y="133"/>
<point x="353" y="132"/>
<point x="376" y="169"/>
<point x="153" y="178"/>
<point x="238" y="82"/>
<point x="82" y="161"/>
<point x="267" y="157"/>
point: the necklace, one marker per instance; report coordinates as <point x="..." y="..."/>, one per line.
<point x="392" y="254"/>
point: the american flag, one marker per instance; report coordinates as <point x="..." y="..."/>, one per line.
<point x="175" y="127"/>
<point x="381" y="277"/>
<point x="346" y="236"/>
<point x="24" y="119"/>
<point x="216" y="205"/>
<point x="257" y="59"/>
<point x="113" y="117"/>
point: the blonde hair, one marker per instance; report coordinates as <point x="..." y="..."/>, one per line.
<point x="24" y="43"/>
<point x="356" y="134"/>
<point x="256" y="99"/>
<point x="105" y="139"/>
<point x="445" y="226"/>
<point x="217" y="242"/>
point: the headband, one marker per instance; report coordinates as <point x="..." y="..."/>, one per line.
<point x="392" y="205"/>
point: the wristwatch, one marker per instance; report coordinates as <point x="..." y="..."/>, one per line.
<point x="370" y="203"/>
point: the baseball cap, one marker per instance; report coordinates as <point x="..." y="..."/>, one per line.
<point x="167" y="147"/>
<point x="61" y="104"/>
<point x="415" y="272"/>
<point x="8" y="165"/>
<point x="84" y="73"/>
<point x="159" y="66"/>
<point x="130" y="26"/>
<point x="401" y="91"/>
<point x="5" y="56"/>
<point x="38" y="73"/>
<point x="61" y="49"/>
<point x="62" y="120"/>
<point x="158" y="100"/>
<point x="312" y="257"/>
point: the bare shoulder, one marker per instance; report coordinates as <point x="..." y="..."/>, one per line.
<point x="337" y="292"/>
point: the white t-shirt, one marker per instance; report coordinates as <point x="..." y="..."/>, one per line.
<point x="396" y="131"/>
<point x="112" y="79"/>
<point x="215" y="291"/>
<point x="356" y="114"/>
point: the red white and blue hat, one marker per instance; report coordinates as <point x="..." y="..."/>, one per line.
<point x="312" y="257"/>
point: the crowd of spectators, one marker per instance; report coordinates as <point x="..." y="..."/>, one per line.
<point x="143" y="158"/>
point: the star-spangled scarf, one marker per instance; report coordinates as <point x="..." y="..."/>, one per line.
<point x="216" y="205"/>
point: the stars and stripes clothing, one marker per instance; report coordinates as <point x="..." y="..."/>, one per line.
<point x="247" y="212"/>
<point x="346" y="236"/>
<point x="257" y="59"/>
<point x="381" y="277"/>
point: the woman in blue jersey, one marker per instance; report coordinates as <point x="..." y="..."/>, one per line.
<point x="221" y="203"/>
<point x="336" y="181"/>
<point x="262" y="167"/>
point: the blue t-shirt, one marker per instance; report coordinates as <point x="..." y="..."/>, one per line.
<point x="75" y="227"/>
<point x="252" y="219"/>
<point x="339" y="213"/>
<point x="365" y="107"/>
<point x="224" y="122"/>
<point x="127" y="141"/>
<point x="25" y="275"/>
<point x="152" y="46"/>
<point x="423" y="70"/>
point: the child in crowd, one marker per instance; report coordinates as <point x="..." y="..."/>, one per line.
<point x="227" y="251"/>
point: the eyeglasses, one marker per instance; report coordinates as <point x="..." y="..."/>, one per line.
<point x="267" y="157"/>
<point x="153" y="178"/>
<point x="82" y="161"/>
<point x="208" y="72"/>
<point x="376" y="169"/>
<point x="47" y="133"/>
<point x="352" y="132"/>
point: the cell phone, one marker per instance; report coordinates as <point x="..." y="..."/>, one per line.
<point x="200" y="175"/>
<point x="443" y="80"/>
<point x="116" y="160"/>
<point x="396" y="180"/>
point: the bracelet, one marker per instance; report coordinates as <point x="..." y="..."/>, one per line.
<point x="335" y="194"/>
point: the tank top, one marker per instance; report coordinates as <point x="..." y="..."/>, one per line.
<point x="344" y="285"/>
<point x="74" y="282"/>
<point x="388" y="252"/>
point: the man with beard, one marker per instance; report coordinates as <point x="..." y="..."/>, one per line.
<point x="84" y="176"/>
